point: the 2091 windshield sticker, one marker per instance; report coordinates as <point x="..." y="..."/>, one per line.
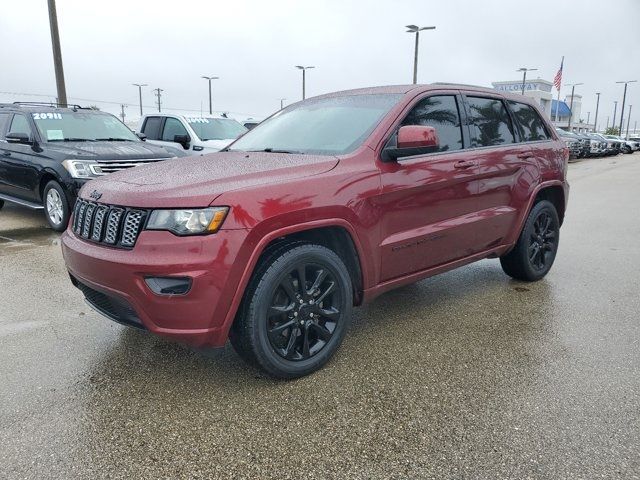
<point x="47" y="116"/>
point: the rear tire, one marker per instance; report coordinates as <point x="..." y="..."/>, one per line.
<point x="56" y="206"/>
<point x="536" y="248"/>
<point x="295" y="312"/>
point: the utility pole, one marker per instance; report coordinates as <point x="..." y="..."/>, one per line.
<point x="140" y="85"/>
<point x="159" y="95"/>
<point x="573" y="88"/>
<point x="209" y="80"/>
<point x="628" y="122"/>
<point x="595" y="120"/>
<point x="588" y="117"/>
<point x="607" y="127"/>
<point x="624" y="97"/>
<point x="282" y="103"/>
<point x="416" y="29"/>
<point x="304" y="82"/>
<point x="615" y="107"/>
<point x="524" y="76"/>
<point x="57" y="54"/>
<point x="122" y="114"/>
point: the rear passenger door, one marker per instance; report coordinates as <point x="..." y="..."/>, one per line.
<point x="506" y="168"/>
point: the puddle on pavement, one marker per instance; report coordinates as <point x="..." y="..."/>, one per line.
<point x="21" y="239"/>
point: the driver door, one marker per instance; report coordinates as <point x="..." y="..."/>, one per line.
<point x="429" y="202"/>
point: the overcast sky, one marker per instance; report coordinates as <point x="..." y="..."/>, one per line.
<point x="253" y="45"/>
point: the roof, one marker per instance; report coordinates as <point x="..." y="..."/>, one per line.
<point x="403" y="89"/>
<point x="564" y="110"/>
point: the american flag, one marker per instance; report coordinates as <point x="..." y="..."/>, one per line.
<point x="557" y="81"/>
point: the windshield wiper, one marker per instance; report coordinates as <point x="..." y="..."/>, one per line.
<point x="113" y="139"/>
<point x="275" y="150"/>
<point x="71" y="139"/>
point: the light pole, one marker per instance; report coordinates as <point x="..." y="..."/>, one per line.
<point x="416" y="29"/>
<point x="573" y="88"/>
<point x="615" y="108"/>
<point x="595" y="120"/>
<point x="588" y="117"/>
<point x="57" y="53"/>
<point x="624" y="97"/>
<point x="159" y="95"/>
<point x="282" y="103"/>
<point x="524" y="75"/>
<point x="628" y="122"/>
<point x="140" y="85"/>
<point x="210" y="103"/>
<point x="304" y="81"/>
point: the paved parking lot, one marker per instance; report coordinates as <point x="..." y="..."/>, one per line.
<point x="465" y="375"/>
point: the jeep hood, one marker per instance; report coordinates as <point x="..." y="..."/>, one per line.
<point x="197" y="181"/>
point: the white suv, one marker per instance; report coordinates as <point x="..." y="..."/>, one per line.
<point x="198" y="134"/>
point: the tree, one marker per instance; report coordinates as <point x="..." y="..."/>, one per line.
<point x="612" y="131"/>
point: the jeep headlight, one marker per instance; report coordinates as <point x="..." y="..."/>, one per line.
<point x="82" y="168"/>
<point x="188" y="221"/>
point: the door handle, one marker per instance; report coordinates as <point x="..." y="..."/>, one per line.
<point x="464" y="164"/>
<point x="524" y="156"/>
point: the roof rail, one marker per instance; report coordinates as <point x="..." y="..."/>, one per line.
<point x="49" y="104"/>
<point x="460" y="85"/>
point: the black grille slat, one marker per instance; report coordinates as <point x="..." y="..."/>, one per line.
<point x="110" y="225"/>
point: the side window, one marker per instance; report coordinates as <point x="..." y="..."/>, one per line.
<point x="151" y="128"/>
<point x="440" y="112"/>
<point x="492" y="122"/>
<point x="172" y="127"/>
<point x="20" y="124"/>
<point x="531" y="126"/>
<point x="4" y="118"/>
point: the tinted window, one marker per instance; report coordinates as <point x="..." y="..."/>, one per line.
<point x="20" y="124"/>
<point x="172" y="127"/>
<point x="4" y="118"/>
<point x="529" y="122"/>
<point x="151" y="128"/>
<point x="490" y="117"/>
<point x="440" y="112"/>
<point x="216" y="128"/>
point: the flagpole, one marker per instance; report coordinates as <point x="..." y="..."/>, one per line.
<point x="559" y="87"/>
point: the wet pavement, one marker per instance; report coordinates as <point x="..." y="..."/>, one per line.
<point x="465" y="375"/>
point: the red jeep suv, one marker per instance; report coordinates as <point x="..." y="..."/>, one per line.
<point x="325" y="205"/>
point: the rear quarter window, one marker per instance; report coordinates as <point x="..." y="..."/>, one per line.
<point x="528" y="122"/>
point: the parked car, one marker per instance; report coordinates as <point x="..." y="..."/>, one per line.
<point x="571" y="140"/>
<point x="610" y="148"/>
<point x="47" y="153"/>
<point x="193" y="134"/>
<point x="617" y="144"/>
<point x="325" y="205"/>
<point x="597" y="146"/>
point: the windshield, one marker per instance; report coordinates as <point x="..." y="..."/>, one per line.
<point x="216" y="128"/>
<point x="332" y="126"/>
<point x="81" y="126"/>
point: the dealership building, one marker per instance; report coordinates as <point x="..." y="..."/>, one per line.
<point x="541" y="91"/>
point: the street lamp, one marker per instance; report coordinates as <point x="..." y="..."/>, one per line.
<point x="595" y="120"/>
<point x="573" y="87"/>
<point x="624" y="97"/>
<point x="304" y="70"/>
<point x="140" y="85"/>
<point x="524" y="75"/>
<point x="416" y="29"/>
<point x="615" y="108"/>
<point x="209" y="80"/>
<point x="628" y="122"/>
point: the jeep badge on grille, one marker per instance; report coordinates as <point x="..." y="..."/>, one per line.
<point x="95" y="195"/>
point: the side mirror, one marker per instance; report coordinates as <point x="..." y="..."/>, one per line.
<point x="18" y="138"/>
<point x="141" y="136"/>
<point x="182" y="140"/>
<point x="413" y="140"/>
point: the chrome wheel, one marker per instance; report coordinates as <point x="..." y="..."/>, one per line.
<point x="55" y="208"/>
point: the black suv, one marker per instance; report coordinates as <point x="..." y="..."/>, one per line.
<point x="47" y="153"/>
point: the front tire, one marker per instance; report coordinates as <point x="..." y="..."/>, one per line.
<point x="536" y="248"/>
<point x="56" y="206"/>
<point x="296" y="311"/>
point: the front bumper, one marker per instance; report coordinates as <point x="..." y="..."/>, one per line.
<point x="113" y="282"/>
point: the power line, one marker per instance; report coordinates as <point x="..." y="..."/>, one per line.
<point x="52" y="98"/>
